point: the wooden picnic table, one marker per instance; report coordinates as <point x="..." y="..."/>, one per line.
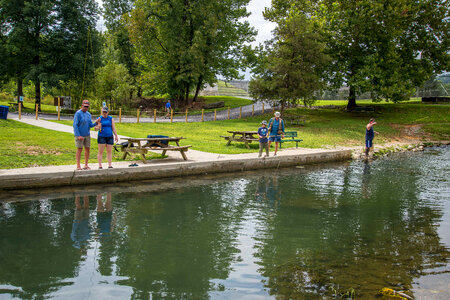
<point x="143" y="145"/>
<point x="242" y="136"/>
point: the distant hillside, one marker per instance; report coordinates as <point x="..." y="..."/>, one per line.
<point x="227" y="89"/>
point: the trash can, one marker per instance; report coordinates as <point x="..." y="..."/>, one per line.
<point x="4" y="111"/>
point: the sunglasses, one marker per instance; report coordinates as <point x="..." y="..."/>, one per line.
<point x="104" y="112"/>
<point x="86" y="106"/>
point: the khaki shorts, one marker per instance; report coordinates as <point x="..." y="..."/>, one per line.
<point x="86" y="142"/>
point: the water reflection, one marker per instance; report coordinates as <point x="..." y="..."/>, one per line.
<point x="297" y="233"/>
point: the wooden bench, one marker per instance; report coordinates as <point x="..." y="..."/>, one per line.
<point x="136" y="146"/>
<point x="241" y="136"/>
<point x="13" y="106"/>
<point x="294" y="120"/>
<point x="290" y="136"/>
<point x="363" y="109"/>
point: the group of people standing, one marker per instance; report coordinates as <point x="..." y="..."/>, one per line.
<point x="107" y="134"/>
<point x="271" y="132"/>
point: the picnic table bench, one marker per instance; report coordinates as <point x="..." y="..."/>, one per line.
<point x="290" y="136"/>
<point x="14" y="106"/>
<point x="363" y="109"/>
<point x="143" y="145"/>
<point x="242" y="136"/>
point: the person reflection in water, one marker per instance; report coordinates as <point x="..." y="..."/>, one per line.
<point x="81" y="231"/>
<point x="365" y="188"/>
<point x="105" y="217"/>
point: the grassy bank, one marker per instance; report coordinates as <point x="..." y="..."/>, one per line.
<point x="322" y="127"/>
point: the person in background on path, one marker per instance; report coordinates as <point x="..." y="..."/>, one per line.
<point x="263" y="133"/>
<point x="82" y="122"/>
<point x="105" y="137"/>
<point x="167" y="108"/>
<point x="276" y="129"/>
<point x="370" y="134"/>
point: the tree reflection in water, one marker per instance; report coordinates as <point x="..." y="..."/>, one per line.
<point x="360" y="227"/>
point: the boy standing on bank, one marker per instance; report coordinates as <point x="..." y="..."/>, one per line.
<point x="263" y="133"/>
<point x="370" y="134"/>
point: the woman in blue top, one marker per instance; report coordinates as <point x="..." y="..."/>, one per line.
<point x="276" y="129"/>
<point x="105" y="137"/>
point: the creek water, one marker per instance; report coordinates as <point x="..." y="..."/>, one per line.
<point x="313" y="232"/>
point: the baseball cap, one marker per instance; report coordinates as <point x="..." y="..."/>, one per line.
<point x="104" y="108"/>
<point x="277" y="114"/>
<point x="86" y="103"/>
<point x="264" y="122"/>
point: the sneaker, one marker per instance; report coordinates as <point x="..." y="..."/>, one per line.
<point x="275" y="154"/>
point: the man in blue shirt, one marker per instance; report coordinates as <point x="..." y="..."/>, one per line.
<point x="168" y="107"/>
<point x="82" y="123"/>
<point x="276" y="129"/>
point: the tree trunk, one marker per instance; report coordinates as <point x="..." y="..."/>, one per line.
<point x="351" y="98"/>
<point x="197" y="89"/>
<point x="19" y="90"/>
<point x="186" y="99"/>
<point x="37" y="88"/>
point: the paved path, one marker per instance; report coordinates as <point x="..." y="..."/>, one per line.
<point x="209" y="116"/>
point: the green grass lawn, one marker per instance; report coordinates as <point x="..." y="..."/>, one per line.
<point x="322" y="128"/>
<point x="24" y="145"/>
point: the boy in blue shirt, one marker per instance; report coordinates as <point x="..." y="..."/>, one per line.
<point x="263" y="133"/>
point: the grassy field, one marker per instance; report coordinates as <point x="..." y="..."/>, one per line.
<point x="22" y="145"/>
<point x="322" y="127"/>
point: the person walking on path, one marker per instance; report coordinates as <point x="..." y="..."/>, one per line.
<point x="263" y="133"/>
<point x="276" y="129"/>
<point x="168" y="107"/>
<point x="370" y="134"/>
<point x="105" y="137"/>
<point x="82" y="122"/>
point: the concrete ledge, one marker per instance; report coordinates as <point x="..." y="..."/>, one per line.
<point x="30" y="180"/>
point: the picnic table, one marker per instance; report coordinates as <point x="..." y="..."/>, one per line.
<point x="143" y="145"/>
<point x="242" y="136"/>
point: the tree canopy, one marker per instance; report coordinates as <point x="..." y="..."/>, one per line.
<point x="387" y="47"/>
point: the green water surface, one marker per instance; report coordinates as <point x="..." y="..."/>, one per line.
<point x="313" y="232"/>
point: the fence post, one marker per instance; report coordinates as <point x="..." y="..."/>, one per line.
<point x="253" y="109"/>
<point x="20" y="110"/>
<point x="203" y="112"/>
<point x="59" y="107"/>
<point x="120" y="115"/>
<point x="228" y="113"/>
<point x="137" y="115"/>
<point x="215" y="114"/>
<point x="36" y="110"/>
<point x="240" y="112"/>
<point x="186" y="114"/>
<point x="263" y="108"/>
<point x="171" y="115"/>
<point x="154" y="115"/>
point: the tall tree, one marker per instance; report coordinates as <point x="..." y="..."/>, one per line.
<point x="47" y="39"/>
<point x="115" y="13"/>
<point x="387" y="47"/>
<point x="183" y="44"/>
<point x="293" y="65"/>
